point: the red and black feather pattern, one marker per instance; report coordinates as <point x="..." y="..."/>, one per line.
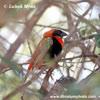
<point x="51" y="45"/>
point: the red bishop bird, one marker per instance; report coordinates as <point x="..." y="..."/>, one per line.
<point x="48" y="48"/>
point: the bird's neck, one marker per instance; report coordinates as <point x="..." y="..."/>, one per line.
<point x="59" y="40"/>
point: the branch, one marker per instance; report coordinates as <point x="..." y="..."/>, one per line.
<point x="74" y="29"/>
<point x="26" y="32"/>
<point x="44" y="4"/>
<point x="86" y="51"/>
<point x="71" y="58"/>
<point x="21" y="87"/>
<point x="44" y="26"/>
<point x="58" y="87"/>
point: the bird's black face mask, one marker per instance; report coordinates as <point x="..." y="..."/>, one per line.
<point x="59" y="33"/>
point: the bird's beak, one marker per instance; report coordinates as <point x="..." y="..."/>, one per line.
<point x="63" y="34"/>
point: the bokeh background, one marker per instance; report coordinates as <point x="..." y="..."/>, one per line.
<point x="22" y="25"/>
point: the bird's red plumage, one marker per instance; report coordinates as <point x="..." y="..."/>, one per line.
<point x="50" y="34"/>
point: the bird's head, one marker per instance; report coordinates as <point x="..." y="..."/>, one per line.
<point x="54" y="33"/>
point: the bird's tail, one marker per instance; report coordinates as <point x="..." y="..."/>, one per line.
<point x="30" y="65"/>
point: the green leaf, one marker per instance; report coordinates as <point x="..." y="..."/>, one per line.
<point x="15" y="67"/>
<point x="83" y="31"/>
<point x="97" y="40"/>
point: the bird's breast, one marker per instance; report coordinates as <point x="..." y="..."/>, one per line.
<point x="55" y="48"/>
